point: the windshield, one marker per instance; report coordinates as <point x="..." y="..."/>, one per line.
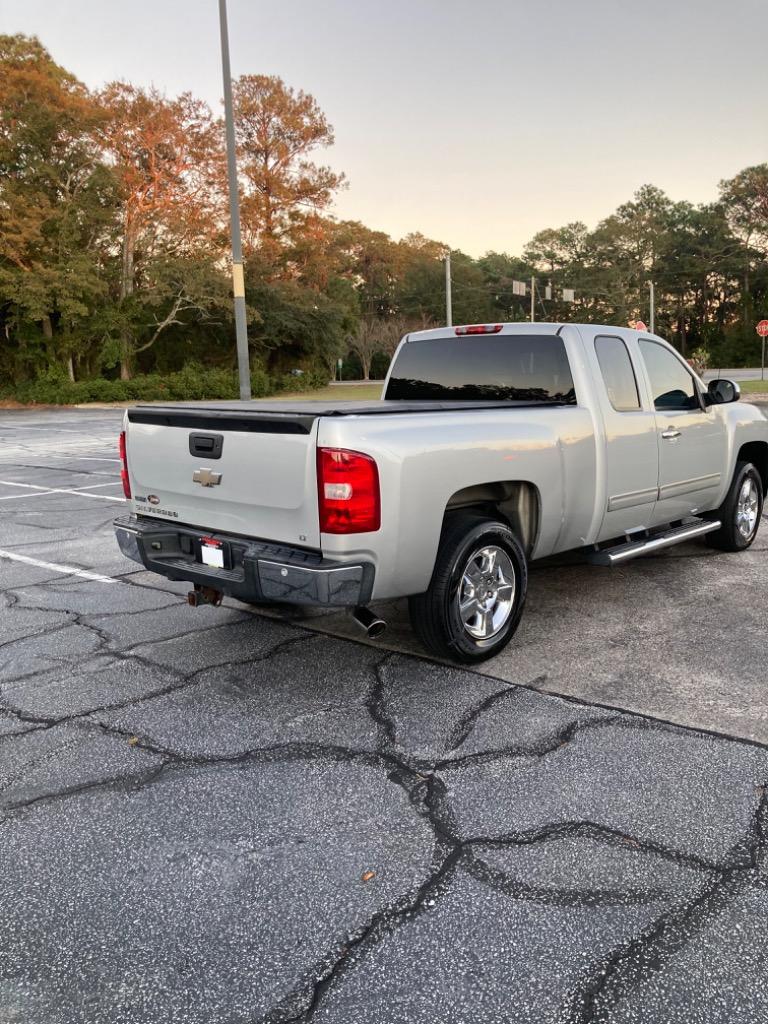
<point x="529" y="368"/>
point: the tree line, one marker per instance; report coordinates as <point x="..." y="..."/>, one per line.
<point x="114" y="243"/>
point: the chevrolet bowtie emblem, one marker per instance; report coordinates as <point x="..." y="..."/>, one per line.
<point x="206" y="477"/>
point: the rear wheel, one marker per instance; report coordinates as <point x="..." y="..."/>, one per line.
<point x="477" y="593"/>
<point x="740" y="512"/>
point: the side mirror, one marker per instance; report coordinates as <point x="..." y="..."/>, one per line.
<point x="721" y="391"/>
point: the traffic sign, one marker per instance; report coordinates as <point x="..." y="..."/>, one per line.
<point x="762" y="330"/>
<point x="640" y="326"/>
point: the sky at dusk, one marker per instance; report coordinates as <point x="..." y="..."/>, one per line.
<point x="477" y="124"/>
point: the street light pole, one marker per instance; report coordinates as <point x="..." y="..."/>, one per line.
<point x="238" y="280"/>
<point x="652" y="322"/>
<point x="448" y="301"/>
<point x="533" y="299"/>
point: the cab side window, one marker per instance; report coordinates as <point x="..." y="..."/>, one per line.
<point x="618" y="374"/>
<point x="672" y="385"/>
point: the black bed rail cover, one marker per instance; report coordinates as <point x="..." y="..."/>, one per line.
<point x="290" y="417"/>
<point x="210" y="418"/>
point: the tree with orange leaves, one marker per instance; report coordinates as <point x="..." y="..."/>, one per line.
<point x="166" y="155"/>
<point x="277" y="130"/>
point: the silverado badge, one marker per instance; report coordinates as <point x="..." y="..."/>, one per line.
<point x="206" y="477"/>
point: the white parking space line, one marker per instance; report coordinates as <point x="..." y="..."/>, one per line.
<point x="87" y="494"/>
<point x="63" y="490"/>
<point x="30" y="487"/>
<point x="15" y="497"/>
<point x="88" y="487"/>
<point x="19" y="428"/>
<point x="67" y="570"/>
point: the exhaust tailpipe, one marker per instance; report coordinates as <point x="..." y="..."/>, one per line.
<point x="372" y="624"/>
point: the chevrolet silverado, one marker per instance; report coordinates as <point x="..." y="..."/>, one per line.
<point x="493" y="445"/>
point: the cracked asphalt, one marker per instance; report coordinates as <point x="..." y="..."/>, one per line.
<point x="225" y="817"/>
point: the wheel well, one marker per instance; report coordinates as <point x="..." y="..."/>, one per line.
<point x="515" y="502"/>
<point x="756" y="452"/>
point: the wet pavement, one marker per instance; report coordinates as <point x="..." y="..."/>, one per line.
<point x="224" y="816"/>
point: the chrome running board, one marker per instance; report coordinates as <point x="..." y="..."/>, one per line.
<point x="633" y="549"/>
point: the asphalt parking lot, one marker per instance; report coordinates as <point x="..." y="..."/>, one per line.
<point x="226" y="816"/>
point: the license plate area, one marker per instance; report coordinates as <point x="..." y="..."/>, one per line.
<point x="214" y="553"/>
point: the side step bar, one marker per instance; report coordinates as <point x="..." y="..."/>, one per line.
<point x="632" y="549"/>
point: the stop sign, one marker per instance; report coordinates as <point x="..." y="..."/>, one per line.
<point x="762" y="328"/>
<point x="640" y="326"/>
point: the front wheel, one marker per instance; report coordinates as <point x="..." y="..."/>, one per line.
<point x="476" y="596"/>
<point x="740" y="512"/>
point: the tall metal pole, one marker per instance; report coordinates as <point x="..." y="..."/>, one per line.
<point x="652" y="323"/>
<point x="533" y="299"/>
<point x="238" y="281"/>
<point x="448" y="300"/>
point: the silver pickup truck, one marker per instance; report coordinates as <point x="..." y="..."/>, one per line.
<point x="493" y="445"/>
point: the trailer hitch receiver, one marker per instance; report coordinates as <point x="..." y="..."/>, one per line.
<point x="204" y="595"/>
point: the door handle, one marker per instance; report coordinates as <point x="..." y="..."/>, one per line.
<point x="670" y="434"/>
<point x="206" y="446"/>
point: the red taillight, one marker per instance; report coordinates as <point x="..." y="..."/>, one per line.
<point x="348" y="492"/>
<point x="124" y="466"/>
<point x="479" y="329"/>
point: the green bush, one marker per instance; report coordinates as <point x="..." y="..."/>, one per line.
<point x="261" y="383"/>
<point x="192" y="383"/>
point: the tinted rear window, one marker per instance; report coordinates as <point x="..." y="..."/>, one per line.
<point x="529" y="368"/>
<point x="619" y="377"/>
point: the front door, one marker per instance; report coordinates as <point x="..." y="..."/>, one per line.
<point x="692" y="441"/>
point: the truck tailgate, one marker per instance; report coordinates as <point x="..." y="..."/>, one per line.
<point x="262" y="484"/>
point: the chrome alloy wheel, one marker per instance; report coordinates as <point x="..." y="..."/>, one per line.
<point x="486" y="593"/>
<point x="747" y="508"/>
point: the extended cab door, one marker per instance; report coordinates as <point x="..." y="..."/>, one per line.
<point x="631" y="451"/>
<point x="692" y="441"/>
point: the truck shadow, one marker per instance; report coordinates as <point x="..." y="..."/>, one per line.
<point x="679" y="635"/>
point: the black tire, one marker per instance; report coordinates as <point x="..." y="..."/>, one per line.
<point x="730" y="537"/>
<point x="435" y="614"/>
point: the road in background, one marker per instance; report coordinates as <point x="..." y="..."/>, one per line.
<point x="215" y="815"/>
<point x="739" y="374"/>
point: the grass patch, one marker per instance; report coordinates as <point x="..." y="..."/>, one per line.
<point x="753" y="387"/>
<point x="337" y="393"/>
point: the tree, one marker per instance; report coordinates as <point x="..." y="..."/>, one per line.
<point x="374" y="335"/>
<point x="277" y="130"/>
<point x="373" y="263"/>
<point x="167" y="160"/>
<point x="499" y="271"/>
<point x="556" y="249"/>
<point x="56" y="201"/>
<point x="420" y="295"/>
<point x="745" y="198"/>
<point x="745" y="201"/>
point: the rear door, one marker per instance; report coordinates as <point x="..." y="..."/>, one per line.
<point x="631" y="450"/>
<point x="228" y="472"/>
<point x="692" y="441"/>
